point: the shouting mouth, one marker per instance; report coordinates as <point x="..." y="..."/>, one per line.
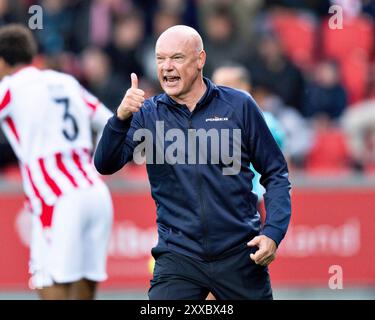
<point x="171" y="80"/>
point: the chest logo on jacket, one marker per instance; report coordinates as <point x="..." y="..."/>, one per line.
<point x="216" y="119"/>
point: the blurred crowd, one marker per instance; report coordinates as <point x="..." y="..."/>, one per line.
<point x="316" y="78"/>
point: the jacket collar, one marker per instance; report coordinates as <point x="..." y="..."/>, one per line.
<point x="211" y="91"/>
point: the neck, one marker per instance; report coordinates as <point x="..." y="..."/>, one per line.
<point x="194" y="95"/>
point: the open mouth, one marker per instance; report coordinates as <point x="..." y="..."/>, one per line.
<point x="171" y="79"/>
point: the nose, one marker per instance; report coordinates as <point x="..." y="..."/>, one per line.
<point x="168" y="65"/>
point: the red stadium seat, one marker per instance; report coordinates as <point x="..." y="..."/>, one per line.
<point x="329" y="155"/>
<point x="356" y="37"/>
<point x="355" y="76"/>
<point x="297" y="32"/>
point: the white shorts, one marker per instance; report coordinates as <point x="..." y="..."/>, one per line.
<point x="75" y="246"/>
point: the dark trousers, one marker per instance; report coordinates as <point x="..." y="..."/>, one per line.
<point x="235" y="277"/>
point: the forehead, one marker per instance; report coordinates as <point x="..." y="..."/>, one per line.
<point x="174" y="44"/>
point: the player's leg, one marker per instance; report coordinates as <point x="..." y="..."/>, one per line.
<point x="177" y="277"/>
<point x="95" y="241"/>
<point x="83" y="289"/>
<point x="65" y="245"/>
<point x="238" y="277"/>
<point x="54" y="292"/>
<point x="39" y="267"/>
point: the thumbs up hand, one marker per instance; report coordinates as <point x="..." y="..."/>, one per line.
<point x="132" y="101"/>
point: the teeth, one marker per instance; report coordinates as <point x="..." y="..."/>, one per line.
<point x="170" y="78"/>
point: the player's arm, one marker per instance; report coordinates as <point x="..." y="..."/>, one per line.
<point x="5" y="100"/>
<point x="98" y="121"/>
<point x="98" y="112"/>
<point x="116" y="144"/>
<point x="269" y="161"/>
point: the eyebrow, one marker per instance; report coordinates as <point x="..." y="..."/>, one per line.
<point x="158" y="55"/>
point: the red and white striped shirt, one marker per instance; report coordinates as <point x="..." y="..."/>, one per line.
<point x="48" y="119"/>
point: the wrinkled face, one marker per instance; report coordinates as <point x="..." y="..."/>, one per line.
<point x="179" y="64"/>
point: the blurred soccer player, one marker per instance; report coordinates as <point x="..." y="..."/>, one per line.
<point x="48" y="119"/>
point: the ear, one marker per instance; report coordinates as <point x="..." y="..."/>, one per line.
<point x="201" y="59"/>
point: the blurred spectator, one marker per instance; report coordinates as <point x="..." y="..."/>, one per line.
<point x="64" y="61"/>
<point x="164" y="20"/>
<point x="368" y="7"/>
<point x="222" y="41"/>
<point x="99" y="78"/>
<point x="272" y="69"/>
<point x="12" y="11"/>
<point x="102" y="14"/>
<point x="233" y="75"/>
<point x="297" y="130"/>
<point x="57" y="23"/>
<point x="320" y="7"/>
<point x="243" y="12"/>
<point x="359" y="124"/>
<point x="126" y="46"/>
<point x="186" y="9"/>
<point x="6" y="15"/>
<point x="325" y="94"/>
<point x="329" y="154"/>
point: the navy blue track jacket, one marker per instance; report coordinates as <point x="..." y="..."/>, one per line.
<point x="202" y="212"/>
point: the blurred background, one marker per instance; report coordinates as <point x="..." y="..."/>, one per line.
<point x="316" y="80"/>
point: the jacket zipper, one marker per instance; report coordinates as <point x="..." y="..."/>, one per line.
<point x="201" y="203"/>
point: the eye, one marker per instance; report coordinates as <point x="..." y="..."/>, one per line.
<point x="178" y="58"/>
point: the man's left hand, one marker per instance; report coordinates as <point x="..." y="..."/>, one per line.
<point x="266" y="252"/>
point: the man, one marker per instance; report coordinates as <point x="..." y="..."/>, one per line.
<point x="209" y="230"/>
<point x="47" y="117"/>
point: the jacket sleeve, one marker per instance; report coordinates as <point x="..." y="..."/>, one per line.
<point x="268" y="160"/>
<point x="116" y="144"/>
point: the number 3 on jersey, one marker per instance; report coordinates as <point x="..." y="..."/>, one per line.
<point x="71" y="134"/>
